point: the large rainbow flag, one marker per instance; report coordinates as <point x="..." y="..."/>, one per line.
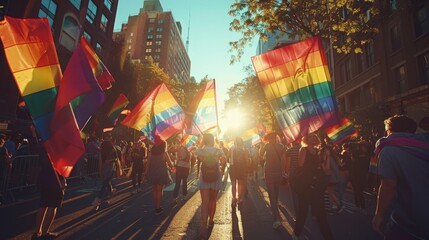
<point x="158" y="113"/>
<point x="297" y="84"/>
<point x="120" y="103"/>
<point x="202" y="112"/>
<point x="188" y="140"/>
<point x="80" y="87"/>
<point x="32" y="58"/>
<point x="340" y="132"/>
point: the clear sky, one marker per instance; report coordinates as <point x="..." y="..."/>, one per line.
<point x="209" y="36"/>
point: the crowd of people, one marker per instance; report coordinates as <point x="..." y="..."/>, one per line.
<point x="317" y="170"/>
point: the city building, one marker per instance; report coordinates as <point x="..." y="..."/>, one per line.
<point x="392" y="74"/>
<point x="154" y="33"/>
<point x="69" y="20"/>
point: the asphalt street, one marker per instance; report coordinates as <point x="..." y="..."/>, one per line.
<point x="131" y="216"/>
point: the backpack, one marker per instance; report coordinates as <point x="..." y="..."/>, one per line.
<point x="210" y="168"/>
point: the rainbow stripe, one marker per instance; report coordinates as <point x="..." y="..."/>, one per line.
<point x="373" y="164"/>
<point x="202" y="112"/>
<point x="251" y="137"/>
<point x="32" y="58"/>
<point x="158" y="113"/>
<point x="120" y="103"/>
<point x="340" y="132"/>
<point x="297" y="84"/>
<point x="100" y="71"/>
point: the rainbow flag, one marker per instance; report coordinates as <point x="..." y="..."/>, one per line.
<point x="297" y="84"/>
<point x="32" y="58"/>
<point x="120" y="103"/>
<point x="189" y="140"/>
<point x="202" y="112"/>
<point x="251" y="137"/>
<point x="340" y="132"/>
<point x="100" y="71"/>
<point x="373" y="164"/>
<point x="158" y="113"/>
<point x="80" y="88"/>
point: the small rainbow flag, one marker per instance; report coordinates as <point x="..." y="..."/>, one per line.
<point x="100" y="71"/>
<point x="158" y="113"/>
<point x="297" y="84"/>
<point x="202" y="112"/>
<point x="189" y="140"/>
<point x="251" y="137"/>
<point x="120" y="103"/>
<point x="341" y="132"/>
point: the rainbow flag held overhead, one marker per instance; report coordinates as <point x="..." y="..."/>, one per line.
<point x="251" y="137"/>
<point x="158" y="113"/>
<point x="32" y="58"/>
<point x="340" y="132"/>
<point x="202" y="112"/>
<point x="189" y="140"/>
<point x="297" y="84"/>
<point x="100" y="71"/>
<point x="80" y="88"/>
<point x="120" y="103"/>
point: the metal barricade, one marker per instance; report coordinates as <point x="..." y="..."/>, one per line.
<point x="22" y="175"/>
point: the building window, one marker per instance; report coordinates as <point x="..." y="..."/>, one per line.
<point x="393" y="5"/>
<point x="149" y="43"/>
<point x="98" y="48"/>
<point x="159" y="36"/>
<point x="160" y="21"/>
<point x="91" y="12"/>
<point x="70" y="33"/>
<point x="76" y="3"/>
<point x="108" y="4"/>
<point x="156" y="57"/>
<point x="421" y="21"/>
<point x="103" y="23"/>
<point x="87" y="36"/>
<point x="148" y="50"/>
<point x="399" y="78"/>
<point x="158" y="50"/>
<point x="151" y="20"/>
<point x="158" y="43"/>
<point x="150" y="29"/>
<point x="48" y="9"/>
<point x="150" y="36"/>
<point x="395" y="38"/>
<point x="369" y="55"/>
<point x="159" y="29"/>
<point x="423" y="62"/>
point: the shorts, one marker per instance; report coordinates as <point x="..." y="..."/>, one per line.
<point x="52" y="198"/>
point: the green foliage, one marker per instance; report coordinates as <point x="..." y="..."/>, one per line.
<point x="349" y="24"/>
<point x="369" y="122"/>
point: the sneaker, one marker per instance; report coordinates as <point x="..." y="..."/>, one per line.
<point x="276" y="224"/>
<point x="158" y="211"/>
<point x="96" y="203"/>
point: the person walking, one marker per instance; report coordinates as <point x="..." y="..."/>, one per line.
<point x="274" y="169"/>
<point x="107" y="169"/>
<point x="403" y="194"/>
<point x="138" y="155"/>
<point x="183" y="165"/>
<point x="157" y="171"/>
<point x="238" y="171"/>
<point x="310" y="163"/>
<point x="292" y="154"/>
<point x="213" y="162"/>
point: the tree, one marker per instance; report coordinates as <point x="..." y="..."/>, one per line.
<point x="349" y="24"/>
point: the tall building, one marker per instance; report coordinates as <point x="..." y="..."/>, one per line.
<point x="69" y="20"/>
<point x="154" y="33"/>
<point x="392" y="74"/>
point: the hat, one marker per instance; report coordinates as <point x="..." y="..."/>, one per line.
<point x="158" y="141"/>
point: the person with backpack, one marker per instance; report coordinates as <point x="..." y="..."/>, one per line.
<point x="238" y="171"/>
<point x="183" y="165"/>
<point x="213" y="162"/>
